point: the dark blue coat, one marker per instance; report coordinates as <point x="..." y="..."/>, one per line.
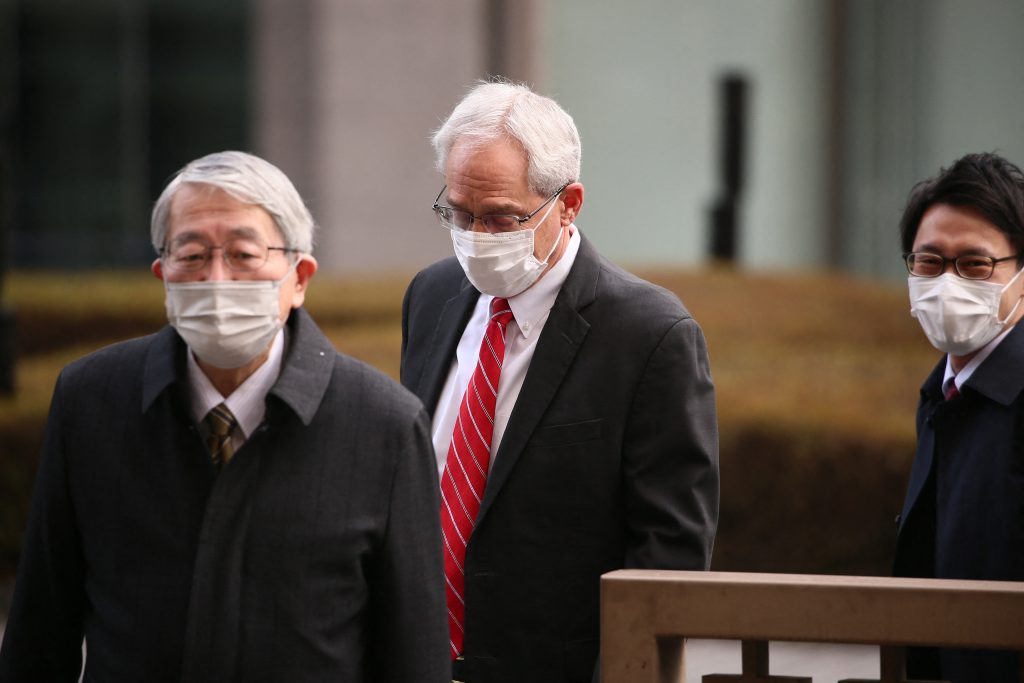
<point x="963" y="517"/>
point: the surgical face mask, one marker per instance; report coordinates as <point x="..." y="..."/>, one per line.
<point x="226" y="323"/>
<point x="959" y="316"/>
<point x="501" y="264"/>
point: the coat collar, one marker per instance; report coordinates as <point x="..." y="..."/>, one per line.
<point x="557" y="347"/>
<point x="308" y="367"/>
<point x="931" y="390"/>
<point x="1001" y="376"/>
<point x="304" y="378"/>
<point x="164" y="365"/>
<point x="580" y="287"/>
<point x="451" y="322"/>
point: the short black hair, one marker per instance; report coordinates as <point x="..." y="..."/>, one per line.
<point x="986" y="183"/>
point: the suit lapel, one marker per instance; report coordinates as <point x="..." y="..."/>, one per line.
<point x="1000" y="377"/>
<point x="556" y="349"/>
<point x="931" y="393"/>
<point x="438" y="359"/>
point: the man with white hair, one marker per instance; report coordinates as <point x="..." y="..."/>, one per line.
<point x="231" y="499"/>
<point x="573" y="409"/>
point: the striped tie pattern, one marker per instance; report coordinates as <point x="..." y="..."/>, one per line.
<point x="465" y="470"/>
<point x="221" y="424"/>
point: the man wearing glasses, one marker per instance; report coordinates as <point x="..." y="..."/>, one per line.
<point x="963" y="517"/>
<point x="573" y="409"/>
<point x="230" y="499"/>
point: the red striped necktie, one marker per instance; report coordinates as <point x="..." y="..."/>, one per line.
<point x="951" y="391"/>
<point x="465" y="470"/>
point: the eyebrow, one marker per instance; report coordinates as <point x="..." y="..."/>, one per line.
<point x="237" y="231"/>
<point x="502" y="208"/>
<point x="934" y="249"/>
<point x="505" y="209"/>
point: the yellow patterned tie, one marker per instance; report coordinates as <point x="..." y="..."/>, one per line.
<point x="221" y="423"/>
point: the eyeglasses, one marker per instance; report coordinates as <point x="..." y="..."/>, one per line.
<point x="242" y="254"/>
<point x="459" y="220"/>
<point x="970" y="267"/>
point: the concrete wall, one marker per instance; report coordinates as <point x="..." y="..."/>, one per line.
<point x="847" y="112"/>
<point x="350" y="92"/>
<point x="641" y="78"/>
<point x="850" y="104"/>
<point x="927" y="81"/>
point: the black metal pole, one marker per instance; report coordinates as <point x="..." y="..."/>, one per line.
<point x="724" y="223"/>
<point x="6" y="315"/>
<point x="8" y="102"/>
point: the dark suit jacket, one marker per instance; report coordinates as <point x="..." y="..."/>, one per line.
<point x="609" y="460"/>
<point x="963" y="517"/>
<point x="303" y="560"/>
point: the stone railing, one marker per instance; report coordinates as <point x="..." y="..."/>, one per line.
<point x="646" y="616"/>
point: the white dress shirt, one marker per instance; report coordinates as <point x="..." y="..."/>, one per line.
<point x="973" y="364"/>
<point x="530" y="309"/>
<point x="247" y="403"/>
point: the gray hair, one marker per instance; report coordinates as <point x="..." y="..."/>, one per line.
<point x="496" y="109"/>
<point x="248" y="179"/>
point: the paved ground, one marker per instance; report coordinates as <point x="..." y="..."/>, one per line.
<point x="824" y="663"/>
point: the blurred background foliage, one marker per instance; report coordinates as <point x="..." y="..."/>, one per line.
<point x="816" y="374"/>
<point x="845" y="104"/>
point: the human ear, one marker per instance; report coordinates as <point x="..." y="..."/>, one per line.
<point x="304" y="270"/>
<point x="572" y="202"/>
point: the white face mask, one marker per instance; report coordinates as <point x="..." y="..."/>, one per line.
<point x="226" y="323"/>
<point x="959" y="316"/>
<point x="501" y="264"/>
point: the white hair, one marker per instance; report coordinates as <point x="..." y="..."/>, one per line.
<point x="495" y="109"/>
<point x="248" y="179"/>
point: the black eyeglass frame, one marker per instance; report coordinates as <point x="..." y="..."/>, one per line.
<point x="438" y="209"/>
<point x="908" y="259"/>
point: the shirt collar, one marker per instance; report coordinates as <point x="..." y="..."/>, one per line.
<point x="248" y="402"/>
<point x="1001" y="376"/>
<point x="965" y="373"/>
<point x="530" y="306"/>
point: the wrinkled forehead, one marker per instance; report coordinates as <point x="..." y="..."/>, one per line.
<point x="237" y="233"/>
<point x="200" y="210"/>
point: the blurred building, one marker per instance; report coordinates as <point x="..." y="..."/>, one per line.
<point x="849" y="102"/>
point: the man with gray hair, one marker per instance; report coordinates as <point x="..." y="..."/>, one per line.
<point x="230" y="499"/>
<point x="572" y="404"/>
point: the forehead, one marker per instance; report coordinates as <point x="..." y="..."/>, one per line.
<point x="952" y="230"/>
<point x="210" y="212"/>
<point x="476" y="172"/>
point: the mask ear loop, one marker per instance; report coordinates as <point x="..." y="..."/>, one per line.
<point x="291" y="269"/>
<point x="1016" y="305"/>
<point x="554" y="244"/>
